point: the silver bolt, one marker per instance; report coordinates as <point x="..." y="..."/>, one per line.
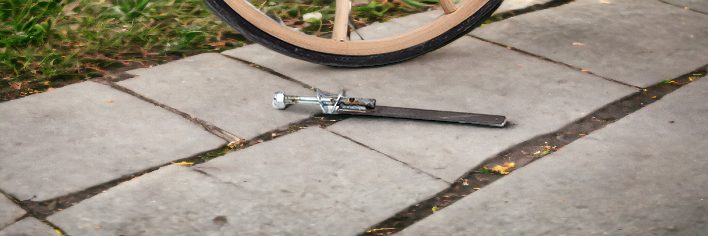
<point x="281" y="100"/>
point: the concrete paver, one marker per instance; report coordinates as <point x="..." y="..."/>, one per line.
<point x="9" y="212"/>
<point x="81" y="135"/>
<point x="635" y="41"/>
<point x="699" y="5"/>
<point x="508" y="5"/>
<point x="404" y="24"/>
<point x="307" y="183"/>
<point x="225" y="92"/>
<point x="469" y="76"/>
<point x="28" y="227"/>
<point x="644" y="175"/>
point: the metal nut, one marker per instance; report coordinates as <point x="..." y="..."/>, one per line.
<point x="279" y="100"/>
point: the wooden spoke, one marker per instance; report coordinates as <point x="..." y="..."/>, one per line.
<point x="364" y="47"/>
<point x="341" y="20"/>
<point x="448" y="6"/>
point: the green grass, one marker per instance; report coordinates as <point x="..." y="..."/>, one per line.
<point x="363" y="12"/>
<point x="49" y="43"/>
<point x="46" y="43"/>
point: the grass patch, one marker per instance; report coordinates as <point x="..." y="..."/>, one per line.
<point x="47" y="43"/>
<point x="50" y="43"/>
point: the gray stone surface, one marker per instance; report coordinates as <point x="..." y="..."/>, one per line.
<point x="81" y="135"/>
<point x="28" y="227"/>
<point x="307" y="183"/>
<point x="390" y="28"/>
<point x="519" y="4"/>
<point x="639" y="42"/>
<point x="467" y="75"/>
<point x="9" y="212"/>
<point x="644" y="175"/>
<point x="225" y="92"/>
<point x="698" y="5"/>
<point x="404" y="24"/>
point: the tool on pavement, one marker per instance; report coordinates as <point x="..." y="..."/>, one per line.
<point x="339" y="104"/>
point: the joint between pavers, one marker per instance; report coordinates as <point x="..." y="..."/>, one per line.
<point x="58" y="230"/>
<point x="219" y="132"/>
<point x="28" y="213"/>
<point x="17" y="202"/>
<point x="320" y="121"/>
<point x="42" y="210"/>
<point x="270" y="71"/>
<point x="581" y="70"/>
<point x="683" y="7"/>
<point x="389" y="156"/>
<point x="525" y="152"/>
<point x="18" y="219"/>
<point x="54" y="227"/>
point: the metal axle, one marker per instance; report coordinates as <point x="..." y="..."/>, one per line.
<point x="281" y="100"/>
<point x="329" y="103"/>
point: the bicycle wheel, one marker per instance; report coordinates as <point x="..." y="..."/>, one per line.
<point x="338" y="50"/>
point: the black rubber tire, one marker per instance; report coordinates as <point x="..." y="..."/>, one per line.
<point x="221" y="9"/>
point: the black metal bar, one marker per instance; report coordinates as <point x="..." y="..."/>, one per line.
<point x="431" y="115"/>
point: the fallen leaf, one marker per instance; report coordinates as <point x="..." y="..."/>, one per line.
<point x="184" y="163"/>
<point x="545" y="150"/>
<point x="234" y="144"/>
<point x="435" y="208"/>
<point x="503" y="169"/>
<point x="379" y="229"/>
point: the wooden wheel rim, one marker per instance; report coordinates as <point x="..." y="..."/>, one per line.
<point x="357" y="48"/>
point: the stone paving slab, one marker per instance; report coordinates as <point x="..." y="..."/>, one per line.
<point x="469" y="76"/>
<point x="638" y="42"/>
<point x="644" y="175"/>
<point x="225" y="92"/>
<point x="9" y="212"/>
<point x="28" y="227"/>
<point x="307" y="183"/>
<point x="509" y="5"/>
<point x="81" y="135"/>
<point x="404" y="24"/>
<point x="699" y="5"/>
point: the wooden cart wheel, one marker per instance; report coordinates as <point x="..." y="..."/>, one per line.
<point x="456" y="21"/>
